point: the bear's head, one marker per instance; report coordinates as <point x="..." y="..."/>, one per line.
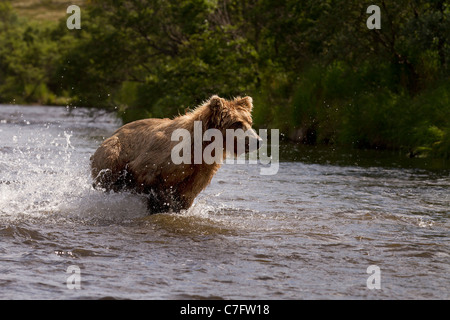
<point x="234" y="119"/>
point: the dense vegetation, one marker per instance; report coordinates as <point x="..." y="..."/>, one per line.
<point x="313" y="67"/>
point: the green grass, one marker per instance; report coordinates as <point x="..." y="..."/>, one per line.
<point x="43" y="10"/>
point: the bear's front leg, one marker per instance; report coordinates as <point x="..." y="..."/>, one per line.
<point x="164" y="201"/>
<point x="156" y="205"/>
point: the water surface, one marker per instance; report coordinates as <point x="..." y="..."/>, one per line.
<point x="308" y="232"/>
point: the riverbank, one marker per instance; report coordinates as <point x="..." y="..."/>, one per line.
<point x="290" y="150"/>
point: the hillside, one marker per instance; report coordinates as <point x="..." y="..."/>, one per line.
<point x="43" y="10"/>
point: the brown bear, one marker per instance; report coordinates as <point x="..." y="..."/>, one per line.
<point x="138" y="157"/>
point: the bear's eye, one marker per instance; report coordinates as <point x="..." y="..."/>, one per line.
<point x="237" y="125"/>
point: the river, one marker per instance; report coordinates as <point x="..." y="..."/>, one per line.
<point x="329" y="225"/>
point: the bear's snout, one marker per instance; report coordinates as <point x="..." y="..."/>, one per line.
<point x="254" y="142"/>
<point x="246" y="142"/>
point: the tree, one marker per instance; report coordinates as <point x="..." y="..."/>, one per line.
<point x="27" y="58"/>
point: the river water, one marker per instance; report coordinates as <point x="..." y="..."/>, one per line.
<point x="311" y="231"/>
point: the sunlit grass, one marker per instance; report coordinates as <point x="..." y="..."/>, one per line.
<point x="44" y="10"/>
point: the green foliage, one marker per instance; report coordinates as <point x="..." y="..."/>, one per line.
<point x="314" y="69"/>
<point x="27" y="58"/>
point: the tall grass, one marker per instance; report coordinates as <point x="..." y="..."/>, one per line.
<point x="359" y="107"/>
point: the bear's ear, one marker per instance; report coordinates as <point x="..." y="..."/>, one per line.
<point x="215" y="102"/>
<point x="247" y="102"/>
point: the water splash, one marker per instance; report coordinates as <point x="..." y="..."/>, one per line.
<point x="44" y="173"/>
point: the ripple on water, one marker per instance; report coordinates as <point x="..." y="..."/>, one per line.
<point x="310" y="231"/>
